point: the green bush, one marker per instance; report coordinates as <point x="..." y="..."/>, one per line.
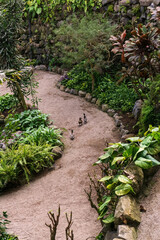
<point x="23" y="162"/>
<point x="41" y="136"/>
<point x="150" y="114"/>
<point x="142" y="152"/>
<point x="85" y="39"/>
<point x="7" y="101"/>
<point x="119" y="97"/>
<point x="25" y="121"/>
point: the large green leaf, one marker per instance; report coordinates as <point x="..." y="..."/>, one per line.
<point x="140" y="151"/>
<point x="124" y="179"/>
<point x="147" y="141"/>
<point x="106" y="178"/>
<point x="133" y="139"/>
<point x="147" y="162"/>
<point x="154" y="148"/>
<point x="123" y="189"/>
<point x="117" y="159"/>
<point x="109" y="219"/>
<point x="143" y="163"/>
<point x="108" y="199"/>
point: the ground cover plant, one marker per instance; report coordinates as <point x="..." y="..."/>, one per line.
<point x="143" y="152"/>
<point x="29" y="143"/>
<point x="117" y="96"/>
<point x="3" y="227"/>
<point x="7" y="101"/>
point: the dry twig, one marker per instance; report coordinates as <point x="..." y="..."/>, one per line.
<point x="54" y="223"/>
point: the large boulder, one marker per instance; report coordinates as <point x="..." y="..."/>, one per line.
<point x="98" y="103"/>
<point x="88" y="97"/>
<point x="135" y="173"/>
<point x="82" y="93"/>
<point x="41" y="67"/>
<point x="127" y="232"/>
<point x="105" y="107"/>
<point x="62" y="88"/>
<point x="145" y="3"/>
<point x="74" y="91"/>
<point x="127" y="209"/>
<point x="57" y="152"/>
<point x="137" y="109"/>
<point x="111" y="112"/>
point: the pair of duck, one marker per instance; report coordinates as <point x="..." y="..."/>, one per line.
<point x="80" y="123"/>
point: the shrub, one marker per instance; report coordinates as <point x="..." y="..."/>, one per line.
<point x="118" y="97"/>
<point x="150" y="113"/>
<point x="85" y="39"/>
<point x="41" y="136"/>
<point x="142" y="152"/>
<point x="7" y="101"/>
<point x="23" y="162"/>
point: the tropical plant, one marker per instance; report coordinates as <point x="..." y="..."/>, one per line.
<point x="7" y="101"/>
<point x="117" y="96"/>
<point x="23" y="162"/>
<point x="140" y="54"/>
<point x="29" y="120"/>
<point x="119" y="156"/>
<point x="10" y="22"/>
<point x="41" y="136"/>
<point x="22" y="85"/>
<point x="85" y="39"/>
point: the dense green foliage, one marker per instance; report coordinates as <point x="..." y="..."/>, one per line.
<point x="7" y="101"/>
<point x="18" y="164"/>
<point x="3" y="227"/>
<point x="118" y="97"/>
<point x="41" y="136"/>
<point x="10" y="20"/>
<point x="26" y="121"/>
<point x="143" y="152"/>
<point x="30" y="150"/>
<point x="150" y="114"/>
<point x="85" y="39"/>
<point x="49" y="10"/>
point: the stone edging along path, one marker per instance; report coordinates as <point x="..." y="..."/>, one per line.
<point x="127" y="212"/>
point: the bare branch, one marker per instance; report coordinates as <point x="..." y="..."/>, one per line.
<point x="55" y="222"/>
<point x="69" y="232"/>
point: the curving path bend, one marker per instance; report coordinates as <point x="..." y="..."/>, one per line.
<point x="28" y="205"/>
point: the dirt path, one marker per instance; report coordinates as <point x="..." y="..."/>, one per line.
<point x="27" y="206"/>
<point x="150" y="220"/>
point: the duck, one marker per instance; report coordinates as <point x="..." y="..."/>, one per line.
<point x="71" y="135"/>
<point x="80" y="122"/>
<point x="85" y="118"/>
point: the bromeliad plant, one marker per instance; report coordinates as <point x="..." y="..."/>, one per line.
<point x="119" y="156"/>
<point x="140" y="54"/>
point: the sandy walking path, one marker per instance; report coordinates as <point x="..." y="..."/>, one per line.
<point x="28" y="205"/>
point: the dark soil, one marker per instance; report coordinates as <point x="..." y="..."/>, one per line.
<point x="129" y="122"/>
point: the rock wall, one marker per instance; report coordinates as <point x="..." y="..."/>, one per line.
<point x="37" y="41"/>
<point x="128" y="12"/>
